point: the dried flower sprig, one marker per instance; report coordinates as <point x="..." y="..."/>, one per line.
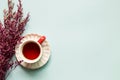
<point x="10" y="34"/>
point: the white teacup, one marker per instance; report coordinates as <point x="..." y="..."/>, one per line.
<point x="31" y="51"/>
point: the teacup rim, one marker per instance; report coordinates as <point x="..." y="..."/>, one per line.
<point x="28" y="60"/>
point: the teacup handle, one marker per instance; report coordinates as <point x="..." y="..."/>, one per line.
<point x="42" y="38"/>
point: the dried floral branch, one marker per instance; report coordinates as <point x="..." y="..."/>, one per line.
<point x="10" y="35"/>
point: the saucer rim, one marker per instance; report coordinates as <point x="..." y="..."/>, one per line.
<point x="24" y="63"/>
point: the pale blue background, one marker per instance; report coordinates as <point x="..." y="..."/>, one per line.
<point x="84" y="36"/>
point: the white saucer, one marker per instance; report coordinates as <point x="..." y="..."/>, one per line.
<point x="45" y="49"/>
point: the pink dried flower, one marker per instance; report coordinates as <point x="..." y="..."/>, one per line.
<point x="10" y="35"/>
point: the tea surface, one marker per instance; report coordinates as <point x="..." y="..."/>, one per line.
<point x="31" y="50"/>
